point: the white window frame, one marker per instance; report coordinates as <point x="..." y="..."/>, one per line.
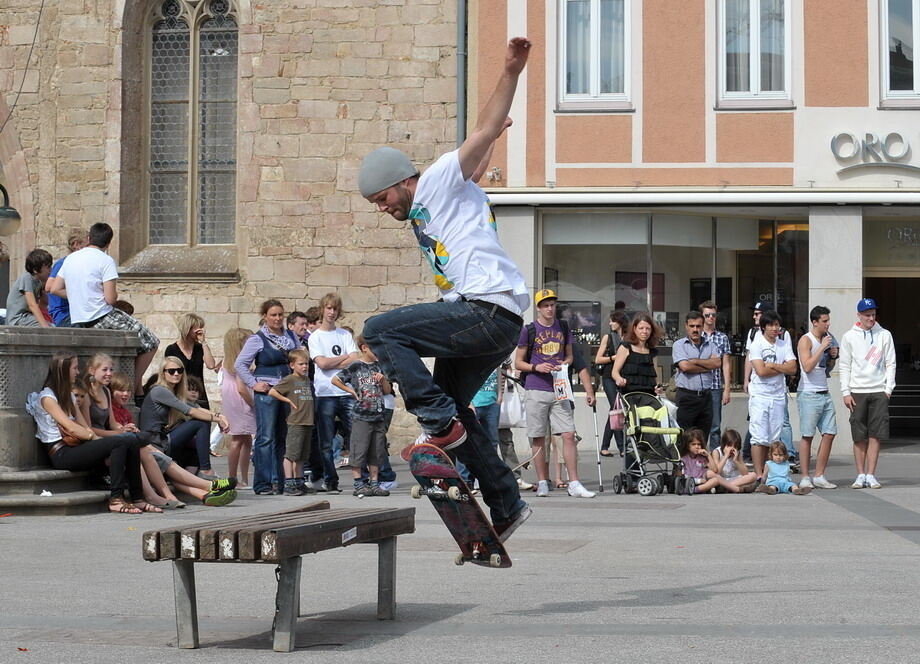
<point x="898" y="98"/>
<point x="755" y="97"/>
<point x="594" y="100"/>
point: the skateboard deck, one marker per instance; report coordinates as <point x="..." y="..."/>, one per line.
<point x="439" y="480"/>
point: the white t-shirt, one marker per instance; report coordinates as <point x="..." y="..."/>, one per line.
<point x="329" y="343"/>
<point x="456" y="232"/>
<point x="47" y="429"/>
<point x="84" y="272"/>
<point x="778" y="353"/>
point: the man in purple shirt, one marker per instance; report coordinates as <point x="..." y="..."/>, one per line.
<point x="544" y="346"/>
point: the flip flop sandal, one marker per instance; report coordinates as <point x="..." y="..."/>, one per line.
<point x="173" y="505"/>
<point x="562" y="485"/>
<point x="148" y="507"/>
<point x="606" y="453"/>
<point x="123" y="507"/>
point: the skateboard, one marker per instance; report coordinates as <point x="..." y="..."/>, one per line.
<point x="439" y="480"/>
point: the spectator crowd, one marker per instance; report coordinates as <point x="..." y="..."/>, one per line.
<point x="302" y="397"/>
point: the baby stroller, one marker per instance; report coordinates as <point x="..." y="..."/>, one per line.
<point x="650" y="452"/>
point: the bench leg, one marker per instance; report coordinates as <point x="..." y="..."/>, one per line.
<point x="386" y="578"/>
<point x="287" y="602"/>
<point x="186" y="604"/>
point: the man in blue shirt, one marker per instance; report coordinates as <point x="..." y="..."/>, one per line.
<point x="695" y="358"/>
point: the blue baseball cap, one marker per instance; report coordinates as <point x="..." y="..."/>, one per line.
<point x="866" y="303"/>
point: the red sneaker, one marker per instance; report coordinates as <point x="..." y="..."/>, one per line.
<point x="454" y="436"/>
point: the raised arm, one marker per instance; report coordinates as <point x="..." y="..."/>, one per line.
<point x="492" y="118"/>
<point x="484" y="164"/>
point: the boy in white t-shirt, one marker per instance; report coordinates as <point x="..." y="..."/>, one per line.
<point x="772" y="359"/>
<point x="475" y="324"/>
<point x="87" y="279"/>
<point x="332" y="349"/>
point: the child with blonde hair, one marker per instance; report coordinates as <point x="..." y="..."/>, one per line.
<point x="238" y="407"/>
<point x="779" y="473"/>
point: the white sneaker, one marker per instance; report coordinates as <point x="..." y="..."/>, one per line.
<point x="523" y="485"/>
<point x="577" y="490"/>
<point x="821" y="483"/>
<point x="859" y="482"/>
<point x="389" y="486"/>
<point x="542" y="489"/>
<point x="805" y="483"/>
<point x="873" y="483"/>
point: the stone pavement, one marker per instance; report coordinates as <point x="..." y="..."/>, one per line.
<point x="830" y="577"/>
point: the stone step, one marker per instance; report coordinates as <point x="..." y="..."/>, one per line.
<point x="73" y="502"/>
<point x="35" y="481"/>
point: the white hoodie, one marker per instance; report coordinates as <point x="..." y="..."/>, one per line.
<point x="867" y="360"/>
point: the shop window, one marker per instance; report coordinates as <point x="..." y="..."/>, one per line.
<point x="900" y="33"/>
<point x="594" y="47"/>
<point x="191" y="146"/>
<point x="754" y="47"/>
<point x="666" y="262"/>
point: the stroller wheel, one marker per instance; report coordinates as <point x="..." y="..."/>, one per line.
<point x="647" y="486"/>
<point x="617" y="484"/>
<point x="689" y="486"/>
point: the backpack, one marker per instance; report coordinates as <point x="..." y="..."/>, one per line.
<point x="532" y="337"/>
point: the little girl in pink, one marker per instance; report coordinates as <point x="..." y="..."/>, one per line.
<point x="699" y="465"/>
<point x="237" y="406"/>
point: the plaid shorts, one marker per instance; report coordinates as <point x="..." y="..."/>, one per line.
<point x="117" y="319"/>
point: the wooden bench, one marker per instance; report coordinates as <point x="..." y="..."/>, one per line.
<point x="281" y="539"/>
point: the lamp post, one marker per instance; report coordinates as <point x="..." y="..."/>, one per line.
<point x="9" y="216"/>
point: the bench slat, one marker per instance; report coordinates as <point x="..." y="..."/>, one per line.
<point x="249" y="538"/>
<point x="230" y="539"/>
<point x="207" y="537"/>
<point x="167" y="539"/>
<point x="300" y="539"/>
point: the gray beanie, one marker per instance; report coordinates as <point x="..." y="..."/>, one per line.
<point x="383" y="168"/>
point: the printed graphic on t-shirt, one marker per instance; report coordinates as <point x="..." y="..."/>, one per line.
<point x="436" y="253"/>
<point x="548" y="342"/>
<point x="875" y="358"/>
<point x="768" y="354"/>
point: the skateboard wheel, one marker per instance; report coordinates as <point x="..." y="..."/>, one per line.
<point x="453" y="493"/>
<point x="459" y="559"/>
<point x="495" y="560"/>
<point x="416" y="492"/>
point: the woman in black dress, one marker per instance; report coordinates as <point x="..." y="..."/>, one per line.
<point x="193" y="351"/>
<point x="634" y="368"/>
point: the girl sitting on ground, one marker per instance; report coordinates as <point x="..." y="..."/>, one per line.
<point x="156" y="466"/>
<point x="779" y="473"/>
<point x="164" y="406"/>
<point x="698" y="464"/>
<point x="726" y="461"/>
<point x="56" y="417"/>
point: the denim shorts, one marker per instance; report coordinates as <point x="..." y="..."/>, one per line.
<point x="816" y="412"/>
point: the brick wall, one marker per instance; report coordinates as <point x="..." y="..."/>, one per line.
<point x="322" y="82"/>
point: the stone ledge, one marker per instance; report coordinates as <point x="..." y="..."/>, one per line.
<point x="33" y="482"/>
<point x="75" y="502"/>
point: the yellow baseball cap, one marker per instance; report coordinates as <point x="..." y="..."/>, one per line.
<point x="545" y="294"/>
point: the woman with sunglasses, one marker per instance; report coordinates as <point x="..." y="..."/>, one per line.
<point x="180" y="429"/>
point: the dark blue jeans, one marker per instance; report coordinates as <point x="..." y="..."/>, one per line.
<point x="190" y="442"/>
<point x="327" y="409"/>
<point x="468" y="341"/>
<point x="268" y="444"/>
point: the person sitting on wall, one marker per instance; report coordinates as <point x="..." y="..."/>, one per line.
<point x="72" y="445"/>
<point x="22" y="304"/>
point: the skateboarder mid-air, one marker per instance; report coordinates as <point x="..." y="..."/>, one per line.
<point x="476" y="323"/>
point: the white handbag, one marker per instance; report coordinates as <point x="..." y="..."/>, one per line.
<point x="511" y="413"/>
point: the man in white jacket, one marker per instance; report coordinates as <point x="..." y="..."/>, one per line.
<point x="867" y="371"/>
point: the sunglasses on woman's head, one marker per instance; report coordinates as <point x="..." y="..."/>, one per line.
<point x="175" y="371"/>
